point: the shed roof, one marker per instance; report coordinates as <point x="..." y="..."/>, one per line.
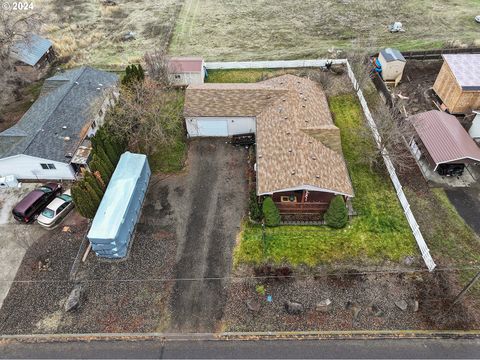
<point x="115" y="201"/>
<point x="68" y="100"/>
<point x="31" y="49"/>
<point x="390" y="54"/>
<point x="298" y="145"/>
<point x="466" y="69"/>
<point x="185" y="64"/>
<point x="444" y="137"/>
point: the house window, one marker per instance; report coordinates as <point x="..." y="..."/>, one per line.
<point x="94" y="124"/>
<point x="177" y="76"/>
<point x="100" y="113"/>
<point x="290" y="198"/>
<point x="48" y="166"/>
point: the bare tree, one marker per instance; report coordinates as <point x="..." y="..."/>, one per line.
<point x="148" y="115"/>
<point x="156" y="63"/>
<point x="395" y="133"/>
<point x="14" y="26"/>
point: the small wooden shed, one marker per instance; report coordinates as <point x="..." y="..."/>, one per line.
<point x="458" y="83"/>
<point x="393" y="63"/>
<point x="186" y="71"/>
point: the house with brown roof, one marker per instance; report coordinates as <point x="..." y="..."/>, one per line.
<point x="299" y="157"/>
<point x="443" y="142"/>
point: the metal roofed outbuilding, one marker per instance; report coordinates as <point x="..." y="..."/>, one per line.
<point x="115" y="220"/>
<point x="31" y="50"/>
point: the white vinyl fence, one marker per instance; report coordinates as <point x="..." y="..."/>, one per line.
<point x="371" y="123"/>
<point x="393" y="176"/>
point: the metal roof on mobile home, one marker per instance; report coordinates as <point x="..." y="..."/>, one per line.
<point x="112" y="209"/>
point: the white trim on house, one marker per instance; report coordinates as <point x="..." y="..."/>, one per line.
<point x="26" y="167"/>
<point x="306" y="187"/>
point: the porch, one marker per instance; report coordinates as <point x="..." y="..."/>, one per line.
<point x="302" y="205"/>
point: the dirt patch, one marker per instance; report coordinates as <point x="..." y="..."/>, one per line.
<point x="417" y="82"/>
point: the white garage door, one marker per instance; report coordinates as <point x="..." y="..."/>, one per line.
<point x="212" y="127"/>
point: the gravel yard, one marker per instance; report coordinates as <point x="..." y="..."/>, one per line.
<point x="359" y="302"/>
<point x="186" y="233"/>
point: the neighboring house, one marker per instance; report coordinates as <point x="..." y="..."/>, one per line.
<point x="51" y="134"/>
<point x="118" y="213"/>
<point x="458" y="83"/>
<point x="443" y="142"/>
<point x="392" y="63"/>
<point x="33" y="52"/>
<point x="299" y="156"/>
<point x="186" y="70"/>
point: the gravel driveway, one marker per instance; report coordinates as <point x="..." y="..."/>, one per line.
<point x="205" y="206"/>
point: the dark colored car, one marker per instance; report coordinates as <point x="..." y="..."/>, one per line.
<point x="33" y="204"/>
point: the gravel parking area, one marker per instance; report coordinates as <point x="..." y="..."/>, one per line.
<point x="186" y="233"/>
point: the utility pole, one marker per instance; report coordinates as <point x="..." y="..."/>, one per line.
<point x="264" y="239"/>
<point x="465" y="289"/>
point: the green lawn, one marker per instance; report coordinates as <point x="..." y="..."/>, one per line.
<point x="380" y="232"/>
<point x="244" y="75"/>
<point x="171" y="158"/>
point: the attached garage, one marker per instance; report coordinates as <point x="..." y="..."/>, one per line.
<point x="219" y="126"/>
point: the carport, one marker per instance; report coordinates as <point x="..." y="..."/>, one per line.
<point x="442" y="141"/>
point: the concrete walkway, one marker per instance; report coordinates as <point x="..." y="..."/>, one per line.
<point x="15" y="238"/>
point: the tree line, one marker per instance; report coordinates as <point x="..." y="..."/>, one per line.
<point x="106" y="151"/>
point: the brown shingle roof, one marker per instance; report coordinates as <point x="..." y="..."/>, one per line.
<point x="298" y="145"/>
<point x="444" y="137"/>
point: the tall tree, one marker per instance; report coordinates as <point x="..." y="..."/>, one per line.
<point x="14" y="26"/>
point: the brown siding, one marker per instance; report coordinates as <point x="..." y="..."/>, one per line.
<point x="452" y="95"/>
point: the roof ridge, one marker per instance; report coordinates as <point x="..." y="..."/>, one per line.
<point x="57" y="105"/>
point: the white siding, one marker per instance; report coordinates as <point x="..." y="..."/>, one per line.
<point x="184" y="79"/>
<point x="235" y="125"/>
<point x="27" y="167"/>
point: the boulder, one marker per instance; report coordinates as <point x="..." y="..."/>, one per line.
<point x="376" y="311"/>
<point x="401" y="304"/>
<point x="293" y="308"/>
<point x="415" y="305"/>
<point x="253" y="305"/>
<point x="73" y="300"/>
<point x="324" y="305"/>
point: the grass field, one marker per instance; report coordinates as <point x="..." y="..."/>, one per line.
<point x="92" y="33"/>
<point x="380" y="231"/>
<point x="286" y="29"/>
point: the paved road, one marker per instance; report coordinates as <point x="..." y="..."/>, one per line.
<point x="248" y="349"/>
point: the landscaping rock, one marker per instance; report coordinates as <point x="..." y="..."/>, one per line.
<point x="73" y="301"/>
<point x="415" y="305"/>
<point x="324" y="305"/>
<point x="293" y="308"/>
<point x="401" y="304"/>
<point x="376" y="311"/>
<point x="253" y="305"/>
<point x="409" y="260"/>
<point x="354" y="307"/>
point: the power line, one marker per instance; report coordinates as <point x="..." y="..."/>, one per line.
<point x="258" y="277"/>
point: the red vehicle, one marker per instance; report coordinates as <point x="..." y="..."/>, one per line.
<point x="31" y="205"/>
